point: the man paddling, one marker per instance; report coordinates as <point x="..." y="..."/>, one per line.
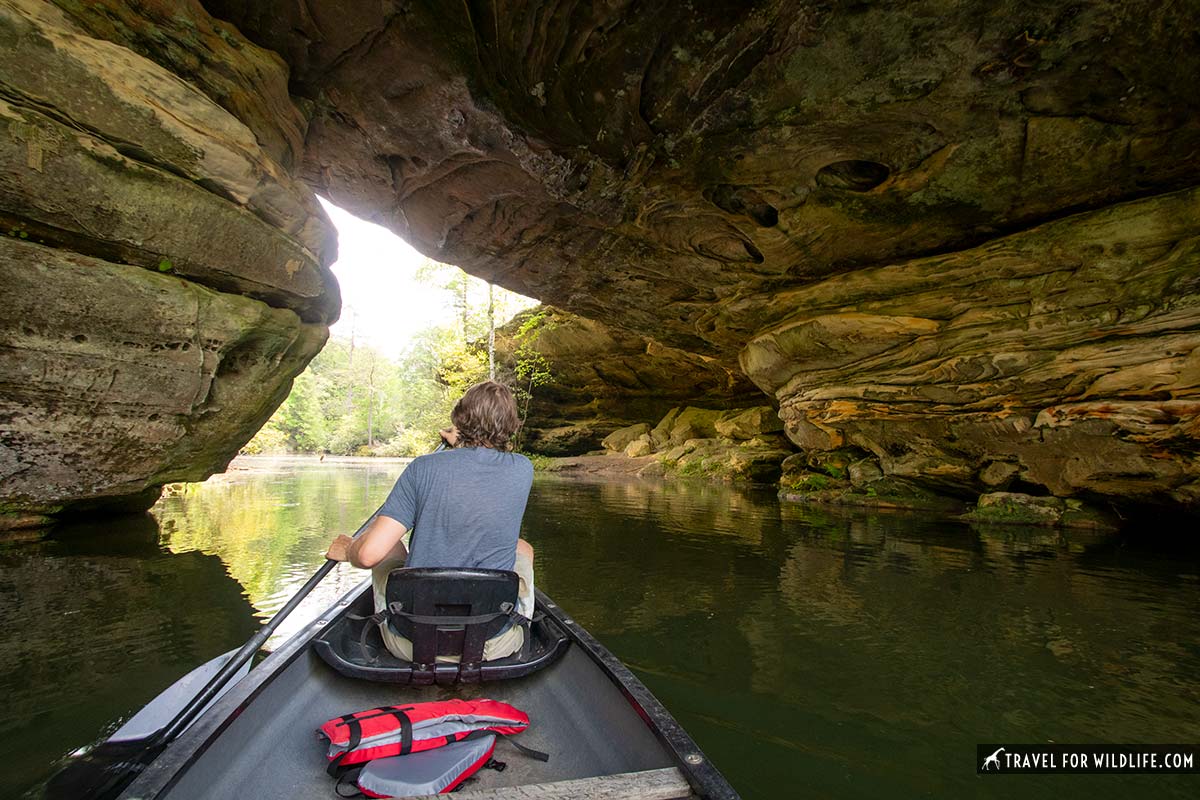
<point x="464" y="506"/>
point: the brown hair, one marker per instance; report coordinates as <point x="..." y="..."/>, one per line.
<point x="486" y="416"/>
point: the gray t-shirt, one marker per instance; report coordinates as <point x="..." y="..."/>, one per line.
<point x="464" y="507"/>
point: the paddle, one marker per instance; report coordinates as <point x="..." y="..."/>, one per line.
<point x="119" y="763"/>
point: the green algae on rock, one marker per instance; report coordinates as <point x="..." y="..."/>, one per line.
<point x="1013" y="508"/>
<point x="162" y="380"/>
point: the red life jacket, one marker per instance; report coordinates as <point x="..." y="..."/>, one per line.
<point x="403" y="729"/>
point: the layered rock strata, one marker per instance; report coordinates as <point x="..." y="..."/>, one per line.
<point x="162" y="277"/>
<point x="1063" y="359"/>
<point x="599" y="377"/>
<point x="657" y="163"/>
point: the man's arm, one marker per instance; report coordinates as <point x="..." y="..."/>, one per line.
<point x="378" y="543"/>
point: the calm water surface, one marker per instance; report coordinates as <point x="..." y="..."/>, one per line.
<point x="810" y="652"/>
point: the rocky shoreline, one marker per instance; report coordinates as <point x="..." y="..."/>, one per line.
<point x="746" y="445"/>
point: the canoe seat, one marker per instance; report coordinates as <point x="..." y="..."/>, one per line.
<point x="447" y="614"/>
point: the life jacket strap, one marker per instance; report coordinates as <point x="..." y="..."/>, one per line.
<point x="528" y="752"/>
<point x="350" y="779"/>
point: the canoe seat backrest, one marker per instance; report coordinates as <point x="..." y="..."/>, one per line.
<point x="450" y="612"/>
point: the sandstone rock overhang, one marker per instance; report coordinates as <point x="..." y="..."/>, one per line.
<point x="163" y="276"/>
<point x="731" y="180"/>
<point x="666" y="165"/>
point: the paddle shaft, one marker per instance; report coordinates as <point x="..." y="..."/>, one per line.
<point x="115" y="781"/>
<point x="187" y="714"/>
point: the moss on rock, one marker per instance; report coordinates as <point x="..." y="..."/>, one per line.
<point x="1011" y="508"/>
<point x="821" y="488"/>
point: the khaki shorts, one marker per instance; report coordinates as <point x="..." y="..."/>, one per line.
<point x="501" y="645"/>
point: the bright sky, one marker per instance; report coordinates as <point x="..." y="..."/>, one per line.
<point x="382" y="302"/>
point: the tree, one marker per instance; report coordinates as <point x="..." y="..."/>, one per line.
<point x="531" y="368"/>
<point x="301" y="419"/>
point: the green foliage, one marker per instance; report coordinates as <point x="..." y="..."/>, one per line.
<point x="165" y="265"/>
<point x="541" y="463"/>
<point x="269" y="439"/>
<point x="353" y="400"/>
<point x="692" y="468"/>
<point x="350" y="397"/>
<point x="811" y="482"/>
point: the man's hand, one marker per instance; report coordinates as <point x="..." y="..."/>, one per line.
<point x="449" y="436"/>
<point x="381" y="541"/>
<point x="339" y="548"/>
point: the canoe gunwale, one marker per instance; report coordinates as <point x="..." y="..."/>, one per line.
<point x="165" y="770"/>
<point x="162" y="774"/>
<point x="706" y="780"/>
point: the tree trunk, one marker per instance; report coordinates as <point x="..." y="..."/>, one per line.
<point x="371" y="404"/>
<point x="491" y="332"/>
<point x="350" y="362"/>
<point x="462" y="303"/>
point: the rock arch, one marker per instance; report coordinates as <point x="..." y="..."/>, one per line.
<point x="973" y="233"/>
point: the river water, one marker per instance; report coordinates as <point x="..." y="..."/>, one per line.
<point x="816" y="652"/>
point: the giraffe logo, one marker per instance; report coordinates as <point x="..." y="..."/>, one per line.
<point x="994" y="758"/>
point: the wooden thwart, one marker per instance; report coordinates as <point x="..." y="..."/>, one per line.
<point x="652" y="784"/>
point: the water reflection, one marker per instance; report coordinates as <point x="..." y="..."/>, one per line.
<point x="815" y="651"/>
<point x="270" y="520"/>
<point x="97" y="620"/>
<point x="865" y="654"/>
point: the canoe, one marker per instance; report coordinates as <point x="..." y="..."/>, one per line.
<point x="606" y="734"/>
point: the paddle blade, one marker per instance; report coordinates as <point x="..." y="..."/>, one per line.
<point x="101" y="773"/>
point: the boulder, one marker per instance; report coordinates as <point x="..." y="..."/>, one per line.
<point x="863" y="473"/>
<point x="722" y="459"/>
<point x="639" y="447"/>
<point x="661" y="434"/>
<point x="792" y="468"/>
<point x="677" y="452"/>
<point x="694" y="423"/>
<point x="1012" y="508"/>
<point x="749" y="423"/>
<point x="618" y="440"/>
<point x="998" y="474"/>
